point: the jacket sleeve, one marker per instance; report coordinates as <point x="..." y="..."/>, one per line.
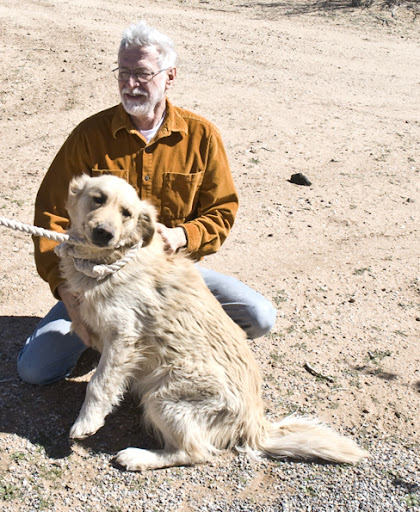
<point x="217" y="204"/>
<point x="50" y="209"/>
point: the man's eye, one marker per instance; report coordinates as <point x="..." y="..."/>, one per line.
<point x="142" y="73"/>
<point x="126" y="213"/>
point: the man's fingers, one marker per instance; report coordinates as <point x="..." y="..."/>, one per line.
<point x="173" y="238"/>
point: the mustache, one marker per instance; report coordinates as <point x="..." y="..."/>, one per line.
<point x="134" y="92"/>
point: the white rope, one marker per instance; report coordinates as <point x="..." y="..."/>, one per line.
<point x="67" y="248"/>
<point x="33" y="230"/>
<point x="91" y="268"/>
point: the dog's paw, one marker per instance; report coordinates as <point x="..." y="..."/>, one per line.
<point x="135" y="459"/>
<point x="85" y="428"/>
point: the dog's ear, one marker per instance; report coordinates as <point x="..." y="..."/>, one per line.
<point x="146" y="224"/>
<point x="77" y="184"/>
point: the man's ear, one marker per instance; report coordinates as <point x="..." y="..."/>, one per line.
<point x="170" y="78"/>
<point x="146" y="224"/>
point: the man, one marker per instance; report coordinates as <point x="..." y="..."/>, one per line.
<point x="173" y="158"/>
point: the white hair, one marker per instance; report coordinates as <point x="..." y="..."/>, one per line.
<point x="141" y="34"/>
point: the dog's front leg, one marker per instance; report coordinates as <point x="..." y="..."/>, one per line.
<point x="104" y="390"/>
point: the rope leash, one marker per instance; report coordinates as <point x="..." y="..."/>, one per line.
<point x="67" y="248"/>
<point x="33" y="230"/>
<point x="90" y="268"/>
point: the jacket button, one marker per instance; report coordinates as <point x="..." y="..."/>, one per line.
<point x="146" y="178"/>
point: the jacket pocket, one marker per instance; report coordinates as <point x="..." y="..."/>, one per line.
<point x="180" y="194"/>
<point x="119" y="173"/>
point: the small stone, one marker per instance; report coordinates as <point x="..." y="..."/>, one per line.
<point x="300" y="179"/>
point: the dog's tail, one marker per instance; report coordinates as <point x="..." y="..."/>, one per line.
<point x="304" y="438"/>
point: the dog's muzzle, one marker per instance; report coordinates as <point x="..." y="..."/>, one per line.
<point x="102" y="235"/>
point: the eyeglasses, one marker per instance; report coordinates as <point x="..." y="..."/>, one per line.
<point x="124" y="74"/>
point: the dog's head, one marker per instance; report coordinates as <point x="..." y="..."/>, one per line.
<point x="107" y="212"/>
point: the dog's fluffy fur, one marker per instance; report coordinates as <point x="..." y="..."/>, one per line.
<point x="162" y="334"/>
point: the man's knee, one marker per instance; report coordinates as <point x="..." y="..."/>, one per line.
<point x="41" y="375"/>
<point x="30" y="373"/>
<point x="263" y="317"/>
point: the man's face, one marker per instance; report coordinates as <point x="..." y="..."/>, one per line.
<point x="140" y="99"/>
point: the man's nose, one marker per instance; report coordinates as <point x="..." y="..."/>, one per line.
<point x="133" y="81"/>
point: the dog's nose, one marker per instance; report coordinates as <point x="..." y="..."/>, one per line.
<point x="102" y="235"/>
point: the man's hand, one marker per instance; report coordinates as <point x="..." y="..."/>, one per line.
<point x="173" y="238"/>
<point x="73" y="309"/>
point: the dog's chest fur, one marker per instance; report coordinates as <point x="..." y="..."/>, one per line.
<point x="126" y="292"/>
<point x="161" y="308"/>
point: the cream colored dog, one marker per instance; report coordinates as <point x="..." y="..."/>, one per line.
<point x="162" y="334"/>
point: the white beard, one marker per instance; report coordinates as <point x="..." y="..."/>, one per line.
<point x="145" y="107"/>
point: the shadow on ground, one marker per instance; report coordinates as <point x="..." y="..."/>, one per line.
<point x="289" y="7"/>
<point x="44" y="414"/>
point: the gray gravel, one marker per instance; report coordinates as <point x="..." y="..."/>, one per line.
<point x="86" y="481"/>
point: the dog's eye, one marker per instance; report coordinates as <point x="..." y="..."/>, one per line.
<point x="126" y="213"/>
<point x="99" y="199"/>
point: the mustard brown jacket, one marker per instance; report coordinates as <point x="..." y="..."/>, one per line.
<point x="183" y="171"/>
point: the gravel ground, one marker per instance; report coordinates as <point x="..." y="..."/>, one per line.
<point x="388" y="481"/>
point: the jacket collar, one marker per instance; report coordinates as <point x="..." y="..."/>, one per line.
<point x="173" y="122"/>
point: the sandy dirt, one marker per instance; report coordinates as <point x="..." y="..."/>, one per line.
<point x="331" y="92"/>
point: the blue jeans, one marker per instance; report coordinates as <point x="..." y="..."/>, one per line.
<point x="52" y="351"/>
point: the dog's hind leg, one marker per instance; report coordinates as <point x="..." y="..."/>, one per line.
<point x="104" y="391"/>
<point x="184" y="428"/>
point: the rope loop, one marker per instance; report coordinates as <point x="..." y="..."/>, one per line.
<point x="67" y="247"/>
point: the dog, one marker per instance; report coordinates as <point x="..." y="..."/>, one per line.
<point x="163" y="335"/>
